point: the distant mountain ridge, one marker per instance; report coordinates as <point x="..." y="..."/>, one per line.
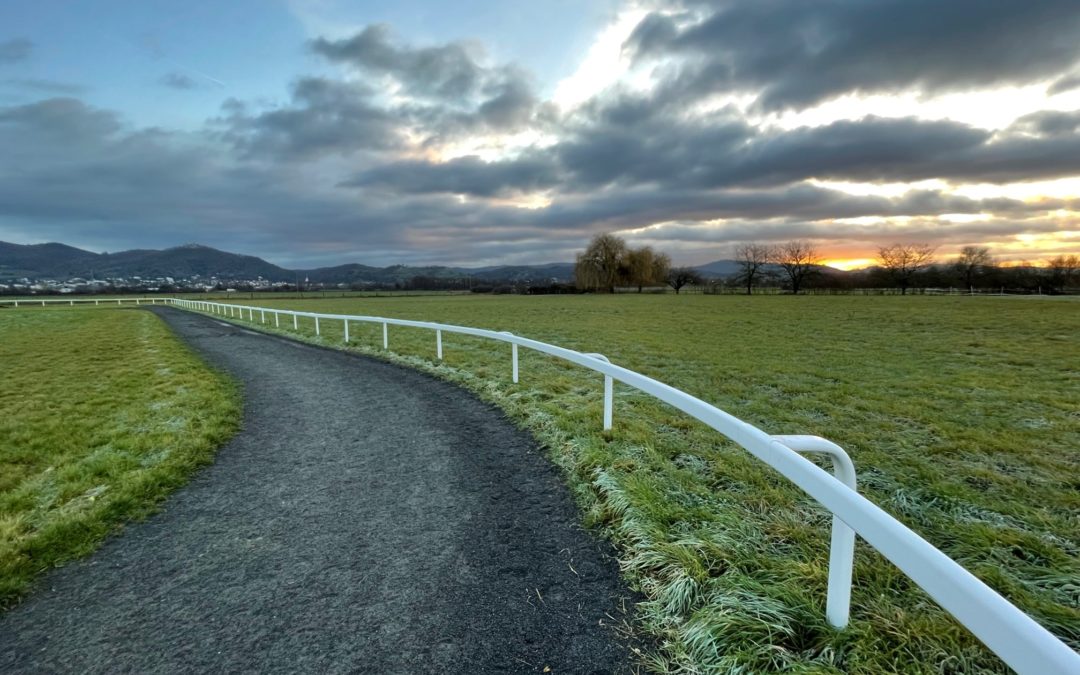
<point x="63" y="262"/>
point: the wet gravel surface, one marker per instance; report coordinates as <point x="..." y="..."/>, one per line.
<point x="368" y="518"/>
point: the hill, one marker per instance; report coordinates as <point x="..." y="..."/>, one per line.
<point x="62" y="262"/>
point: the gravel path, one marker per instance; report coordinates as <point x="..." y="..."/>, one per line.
<point x="368" y="518"/>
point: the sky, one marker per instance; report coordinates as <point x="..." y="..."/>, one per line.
<point x="483" y="132"/>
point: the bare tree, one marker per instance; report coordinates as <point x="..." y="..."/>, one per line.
<point x="678" y="277"/>
<point x="799" y="259"/>
<point x="904" y="261"/>
<point x="752" y="259"/>
<point x="1063" y="269"/>
<point x="971" y="262"/>
<point x="602" y="264"/>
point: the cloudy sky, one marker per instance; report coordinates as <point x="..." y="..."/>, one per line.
<point x="315" y="132"/>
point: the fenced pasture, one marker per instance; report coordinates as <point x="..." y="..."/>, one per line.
<point x="102" y="414"/>
<point x="960" y="414"/>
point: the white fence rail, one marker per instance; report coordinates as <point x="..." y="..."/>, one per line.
<point x="34" y="302"/>
<point x="1018" y="639"/>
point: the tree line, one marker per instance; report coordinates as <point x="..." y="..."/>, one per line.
<point x="608" y="263"/>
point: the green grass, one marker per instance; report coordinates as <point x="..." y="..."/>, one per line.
<point x="102" y="413"/>
<point x="961" y="415"/>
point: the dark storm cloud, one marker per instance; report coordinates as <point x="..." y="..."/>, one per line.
<point x="794" y="54"/>
<point x="180" y="81"/>
<point x="324" y="117"/>
<point x="15" y="50"/>
<point x="50" y="125"/>
<point x="453" y="92"/>
<point x="445" y="72"/>
<point x="1064" y="84"/>
<point x="78" y="170"/>
<point x="464" y="175"/>
<point x="723" y="152"/>
<point x="1049" y="123"/>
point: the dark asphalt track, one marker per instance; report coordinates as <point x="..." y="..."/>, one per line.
<point x="368" y="518"/>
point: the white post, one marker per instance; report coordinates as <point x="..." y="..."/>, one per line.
<point x="137" y="302"/>
<point x="262" y="316"/>
<point x="43" y="303"/>
<point x="71" y="303"/>
<point x="346" y="331"/>
<point x="514" y="352"/>
<point x="841" y="560"/>
<point x="277" y="319"/>
<point x="438" y="343"/>
<point x="608" y="401"/>
<point x="251" y="314"/>
<point x="295" y="325"/>
<point x="842" y="548"/>
<point x="317" y="325"/>
<point x="385" y="337"/>
<point x="17" y="303"/>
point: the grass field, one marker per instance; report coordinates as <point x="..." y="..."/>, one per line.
<point x="102" y="413"/>
<point x="961" y="414"/>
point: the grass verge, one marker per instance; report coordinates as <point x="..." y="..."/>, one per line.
<point x="103" y="412"/>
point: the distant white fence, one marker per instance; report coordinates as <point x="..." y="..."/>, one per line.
<point x="33" y="302"/>
<point x="1014" y="636"/>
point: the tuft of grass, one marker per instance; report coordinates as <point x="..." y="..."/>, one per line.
<point x="960" y="415"/>
<point x="103" y="412"/>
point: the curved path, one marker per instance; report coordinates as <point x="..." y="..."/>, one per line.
<point x="368" y="518"/>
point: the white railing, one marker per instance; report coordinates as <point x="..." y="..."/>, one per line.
<point x="35" y="302"/>
<point x="1018" y="639"/>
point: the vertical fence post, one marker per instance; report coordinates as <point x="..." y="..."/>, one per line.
<point x="609" y="395"/>
<point x="71" y="303"/>
<point x="346" y="331"/>
<point x="842" y="547"/>
<point x="262" y="316"/>
<point x="841" y="561"/>
<point x="277" y="319"/>
<point x="317" y="326"/>
<point x="385" y="337"/>
<point x="514" y="358"/>
<point x="17" y="304"/>
<point x="251" y="314"/>
<point x="609" y="392"/>
<point x="295" y="323"/>
<point x="438" y="343"/>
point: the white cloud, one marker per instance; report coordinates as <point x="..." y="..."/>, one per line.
<point x="604" y="64"/>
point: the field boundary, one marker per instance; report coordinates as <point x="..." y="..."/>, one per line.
<point x="1014" y="636"/>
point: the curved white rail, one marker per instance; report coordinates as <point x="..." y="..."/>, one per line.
<point x="1018" y="639"/>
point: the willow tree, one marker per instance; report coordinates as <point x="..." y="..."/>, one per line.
<point x="646" y="267"/>
<point x="602" y="265"/>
